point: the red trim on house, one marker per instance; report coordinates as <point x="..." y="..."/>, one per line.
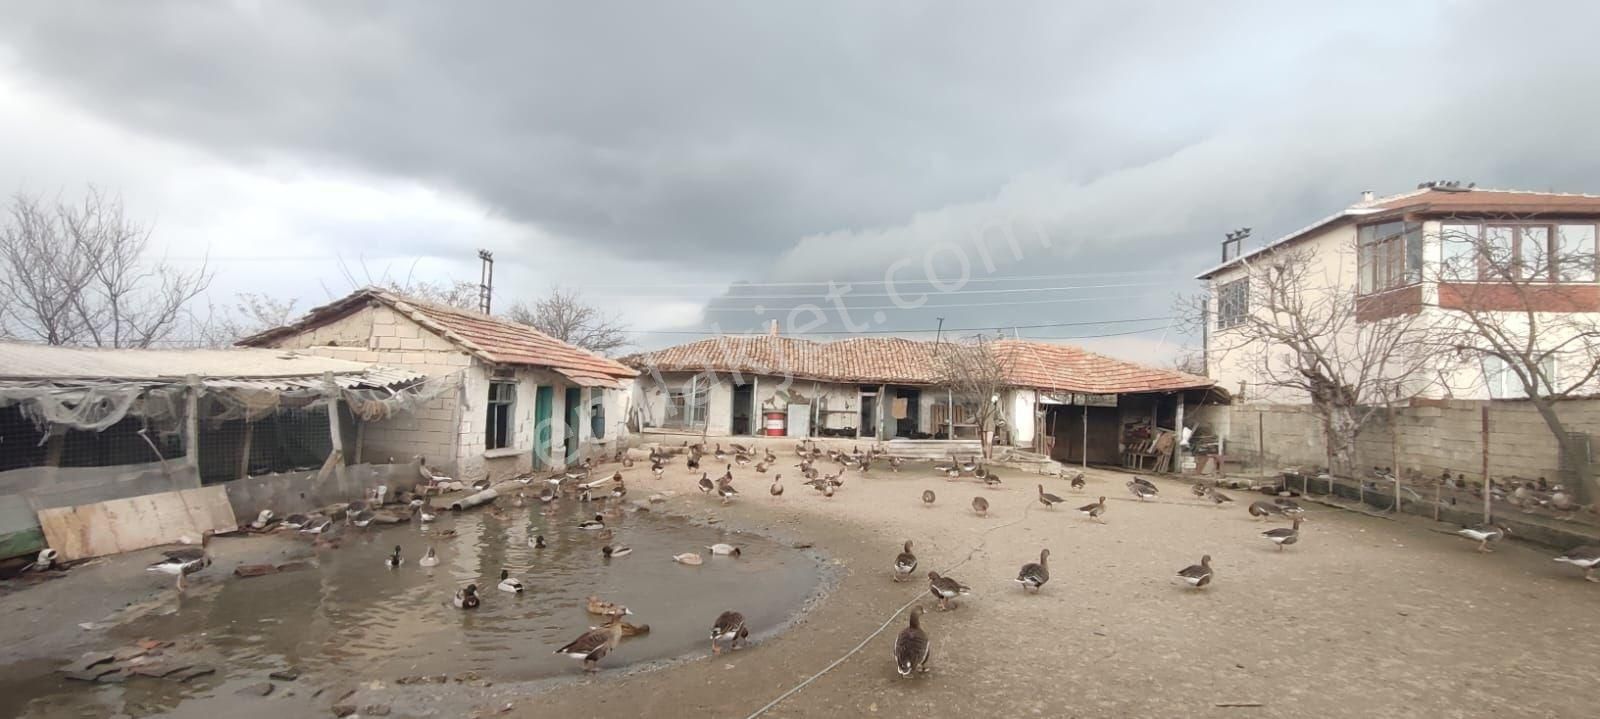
<point x="1506" y="297"/>
<point x="1393" y="303"/>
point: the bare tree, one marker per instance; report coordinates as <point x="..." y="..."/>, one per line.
<point x="1295" y="328"/>
<point x="976" y="372"/>
<point x="1520" y="301"/>
<point x="77" y="274"/>
<point x="459" y="294"/>
<point x="565" y="316"/>
<point x="249" y="314"/>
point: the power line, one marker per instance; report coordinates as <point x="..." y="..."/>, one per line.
<point x="825" y="283"/>
<point x="1065" y="300"/>
<point x="904" y="332"/>
<point x="853" y="295"/>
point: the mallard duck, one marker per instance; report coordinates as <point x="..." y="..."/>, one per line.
<point x="316" y="525"/>
<point x="1141" y="490"/>
<point x="727" y="550"/>
<point x="1261" y="510"/>
<point x="729" y="628"/>
<point x="980" y="506"/>
<point x="601" y="607"/>
<point x="466" y="597"/>
<point x="611" y="552"/>
<point x="547" y="494"/>
<point x="296" y="521"/>
<point x="394" y="561"/>
<point x="594" y="645"/>
<point x="1587" y="557"/>
<point x="185" y="561"/>
<point x="1218" y="498"/>
<point x="431" y="559"/>
<point x="894" y="463"/>
<point x="946" y="589"/>
<point x="509" y="583"/>
<point x="776" y="490"/>
<point x="690" y="558"/>
<point x="537" y="542"/>
<point x="706" y="485"/>
<point x="1483" y="534"/>
<point x="904" y="563"/>
<point x="1035" y="574"/>
<point x="599" y="522"/>
<point x="1197" y="575"/>
<point x="912" y="648"/>
<point x="1047" y="499"/>
<point x="1095" y="511"/>
<point x="1284" y="536"/>
<point x="928" y="497"/>
<point x="481" y="484"/>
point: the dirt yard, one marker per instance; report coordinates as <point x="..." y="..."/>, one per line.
<point x="1364" y="617"/>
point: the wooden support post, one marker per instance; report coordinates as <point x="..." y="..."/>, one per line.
<point x="950" y="409"/>
<point x="335" y="427"/>
<point x="1487" y="487"/>
<point x="1085" y="457"/>
<point x="244" y="449"/>
<point x="191" y="423"/>
<point x="1261" y="444"/>
<point x="1394" y="452"/>
<point x="1177" y="446"/>
<point x="361" y="440"/>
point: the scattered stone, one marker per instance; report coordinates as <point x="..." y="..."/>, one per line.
<point x="480" y="683"/>
<point x="88" y="660"/>
<point x="117" y="677"/>
<point x="259" y="689"/>
<point x="90" y="675"/>
<point x="375" y="710"/>
<point x="195" y="671"/>
<point x="129" y="653"/>
<point x="343" y="710"/>
<point x="153" y="644"/>
<point x="285" y="675"/>
<point x="158" y="670"/>
<point x="803" y="545"/>
<point x="293" y="566"/>
<point x="467" y="677"/>
<point x="254" y="570"/>
<point x="657" y="498"/>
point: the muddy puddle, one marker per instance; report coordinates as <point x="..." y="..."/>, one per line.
<point x="349" y="621"/>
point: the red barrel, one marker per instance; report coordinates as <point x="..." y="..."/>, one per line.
<point x="776" y="420"/>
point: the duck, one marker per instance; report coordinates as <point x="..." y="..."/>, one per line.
<point x="776" y="490"/>
<point x="981" y="472"/>
<point x="1047" y="499"/>
<point x="537" y="542"/>
<point x="1141" y="490"/>
<point x="1078" y="481"/>
<point x="1483" y="534"/>
<point x="658" y="470"/>
<point x="547" y="494"/>
<point x="361" y="519"/>
<point x="980" y="506"/>
<point x="905" y="562"/>
<point x="431" y="559"/>
<point x="627" y="462"/>
<point x="598" y="606"/>
<point x="1197" y="575"/>
<point x="1218" y="498"/>
<point x="296" y="521"/>
<point x="466" y="597"/>
<point x="912" y="649"/>
<point x="706" y="485"/>
<point x="632" y="630"/>
<point x="394" y="561"/>
<point x="594" y="645"/>
<point x="1284" y="536"/>
<point x="185" y="561"/>
<point x="991" y="479"/>
<point x="619" y="491"/>
<point x="1586" y="557"/>
<point x="928" y="497"/>
<point x="769" y="457"/>
<point x="827" y="491"/>
<point x="1261" y="510"/>
<point x="693" y="461"/>
<point x="1145" y="482"/>
<point x="970" y="466"/>
<point x="743" y="460"/>
<point x="894" y="463"/>
<point x="729" y="628"/>
<point x="1035" y="574"/>
<point x="690" y="558"/>
<point x="615" y="551"/>
<point x="726" y="550"/>
<point x="262" y="520"/>
<point x="518" y="500"/>
<point x="1199" y="490"/>
<point x="481" y="484"/>
<point x="718" y="453"/>
<point x="509" y="583"/>
<point x="761" y="467"/>
<point x="946" y="589"/>
<point x="316" y="525"/>
<point x="1095" y="510"/>
<point x="425" y="513"/>
<point x="599" y="522"/>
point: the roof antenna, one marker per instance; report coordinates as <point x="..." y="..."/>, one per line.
<point x="485" y="280"/>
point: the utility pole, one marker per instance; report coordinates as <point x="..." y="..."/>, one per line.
<point x="485" y="280"/>
<point x="938" y="332"/>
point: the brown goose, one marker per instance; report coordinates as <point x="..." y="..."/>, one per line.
<point x="981" y="506"/>
<point x="905" y="563"/>
<point x="729" y="628"/>
<point x="1047" y="499"/>
<point x="1197" y="575"/>
<point x="1587" y="557"/>
<point x="1035" y="574"/>
<point x="1218" y="498"/>
<point x="1261" y="510"/>
<point x="705" y="484"/>
<point x="1142" y="490"/>
<point x="927" y="497"/>
<point x="912" y="648"/>
<point x="776" y="490"/>
<point x="1284" y="536"/>
<point x="1078" y="480"/>
<point x="946" y="589"/>
<point x="1094" y="511"/>
<point x="594" y="645"/>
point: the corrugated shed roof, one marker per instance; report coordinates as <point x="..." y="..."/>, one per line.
<point x="489" y="338"/>
<point x="897" y="360"/>
<point x="43" y="362"/>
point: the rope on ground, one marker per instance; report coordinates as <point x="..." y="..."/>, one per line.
<point x="982" y="540"/>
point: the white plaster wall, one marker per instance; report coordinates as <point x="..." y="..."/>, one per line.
<point x="1020" y="416"/>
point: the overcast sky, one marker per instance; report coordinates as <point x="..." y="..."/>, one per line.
<point x="652" y="154"/>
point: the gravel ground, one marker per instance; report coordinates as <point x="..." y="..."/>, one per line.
<point x="1364" y="617"/>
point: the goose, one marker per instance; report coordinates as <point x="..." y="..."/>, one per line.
<point x="904" y="563"/>
<point x="727" y="550"/>
<point x="739" y="448"/>
<point x="970" y="466"/>
<point x="466" y="597"/>
<point x="1143" y="481"/>
<point x="718" y="453"/>
<point x="776" y="490"/>
<point x="946" y="589"/>
<point x="1483" y="534"/>
<point x="980" y="506"/>
<point x="519" y="501"/>
<point x="362" y="519"/>
<point x="693" y="461"/>
<point x="1197" y="575"/>
<point x="1198" y="489"/>
<point x="1035" y="574"/>
<point x="598" y="606"/>
<point x="945" y="468"/>
<point x="1094" y="511"/>
<point x="481" y="485"/>
<point x="594" y="645"/>
<point x="1047" y="499"/>
<point x="981" y="472"/>
<point x="706" y="485"/>
<point x="1141" y="490"/>
<point x="394" y="561"/>
<point x="690" y="558"/>
<point x="185" y="561"/>
<point x="1261" y="510"/>
<point x="431" y="559"/>
<point x="729" y="628"/>
<point x="991" y="479"/>
<point x="726" y="492"/>
<point x="827" y="491"/>
<point x="727" y="475"/>
<point x="537" y="542"/>
<point x="769" y="457"/>
<point x="425" y="513"/>
<point x="1218" y="498"/>
<point x="296" y="521"/>
<point x="1291" y="510"/>
<point x="613" y="552"/>
<point x="761" y="467"/>
<point x="583" y="495"/>
<point x="927" y="497"/>
<point x="1078" y="481"/>
<point x="1587" y="557"/>
<point x="894" y="463"/>
<point x="1283" y="536"/>
<point x="658" y="470"/>
<point x="599" y="522"/>
<point x="509" y="583"/>
<point x="317" y="525"/>
<point x="912" y="648"/>
<point x="743" y="460"/>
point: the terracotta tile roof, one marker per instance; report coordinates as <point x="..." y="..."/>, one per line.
<point x="901" y="361"/>
<point x="488" y="338"/>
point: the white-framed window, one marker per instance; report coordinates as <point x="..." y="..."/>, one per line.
<point x="501" y="420"/>
<point x="1389" y="255"/>
<point x="1531" y="252"/>
<point x="1575" y="253"/>
<point x="1460" y="248"/>
<point x="1502" y="380"/>
<point x="1233" y="303"/>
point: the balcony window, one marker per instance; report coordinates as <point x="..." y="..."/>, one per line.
<point x="1502" y="380"/>
<point x="1526" y="252"/>
<point x="1233" y="303"/>
<point x="1390" y="255"/>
